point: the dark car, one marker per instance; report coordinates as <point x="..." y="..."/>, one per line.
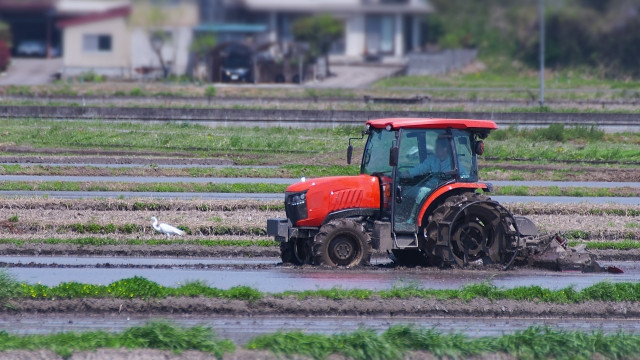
<point x="237" y="67"/>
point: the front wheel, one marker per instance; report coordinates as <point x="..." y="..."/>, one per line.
<point x="296" y="251"/>
<point x="342" y="242"/>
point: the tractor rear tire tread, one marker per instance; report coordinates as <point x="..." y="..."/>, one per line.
<point x="440" y="254"/>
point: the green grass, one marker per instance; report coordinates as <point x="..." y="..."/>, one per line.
<point x="532" y="343"/>
<point x="242" y="144"/>
<point x="93" y="228"/>
<point x="285" y="171"/>
<point x="565" y="191"/>
<point x="609" y="245"/>
<point x="603" y="291"/>
<point x="280" y="188"/>
<point x="94" y="241"/>
<point x="501" y="74"/>
<point x="154" y="335"/>
<point x="142" y="187"/>
<point x="296" y="146"/>
<point x="138" y="287"/>
<point x="365" y="344"/>
<point x="579" y="143"/>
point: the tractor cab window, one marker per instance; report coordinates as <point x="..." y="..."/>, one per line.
<point x="463" y="142"/>
<point x="376" y="152"/>
<point x="426" y="161"/>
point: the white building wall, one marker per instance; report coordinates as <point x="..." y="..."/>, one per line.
<point x="176" y="51"/>
<point x="115" y="62"/>
<point x="398" y="36"/>
<point x="355" y="36"/>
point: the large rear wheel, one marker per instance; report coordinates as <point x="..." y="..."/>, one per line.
<point x="472" y="229"/>
<point x="342" y="242"/>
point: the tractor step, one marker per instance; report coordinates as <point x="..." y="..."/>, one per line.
<point x="403" y="241"/>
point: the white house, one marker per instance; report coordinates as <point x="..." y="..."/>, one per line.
<point x="112" y="37"/>
<point x="98" y="42"/>
<point x="379" y="29"/>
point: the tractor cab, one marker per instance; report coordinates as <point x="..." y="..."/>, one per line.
<point x="415" y="159"/>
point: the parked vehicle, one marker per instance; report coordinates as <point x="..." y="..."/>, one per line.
<point x="32" y="48"/>
<point x="237" y="67"/>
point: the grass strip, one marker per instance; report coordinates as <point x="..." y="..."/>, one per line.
<point x="95" y="241"/>
<point x="280" y="188"/>
<point x="153" y="335"/>
<point x="603" y="291"/>
<point x="136" y="287"/>
<point x="93" y="228"/>
<point x="146" y="187"/>
<point x="532" y="343"/>
<point x="608" y="245"/>
<point x="278" y="144"/>
<point x="393" y="344"/>
<point x="566" y="191"/>
<point x="285" y="171"/>
<point x="139" y="287"/>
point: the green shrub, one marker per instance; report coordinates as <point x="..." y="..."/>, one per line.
<point x="91" y="76"/>
<point x="210" y="91"/>
<point x="136" y="91"/>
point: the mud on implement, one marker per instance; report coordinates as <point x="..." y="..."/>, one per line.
<point x="418" y="198"/>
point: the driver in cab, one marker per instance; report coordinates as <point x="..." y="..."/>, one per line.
<point x="432" y="165"/>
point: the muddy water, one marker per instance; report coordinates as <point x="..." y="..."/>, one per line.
<point x="241" y="329"/>
<point x="272" y="278"/>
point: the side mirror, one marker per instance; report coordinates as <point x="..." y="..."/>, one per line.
<point x="393" y="156"/>
<point x="349" y="154"/>
<point x="479" y="149"/>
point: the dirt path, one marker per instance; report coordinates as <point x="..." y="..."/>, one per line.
<point x="37" y="219"/>
<point x="292" y="306"/>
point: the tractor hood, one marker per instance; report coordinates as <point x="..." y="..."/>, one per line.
<point x="308" y="202"/>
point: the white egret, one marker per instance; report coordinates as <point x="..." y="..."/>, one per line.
<point x="166" y="228"/>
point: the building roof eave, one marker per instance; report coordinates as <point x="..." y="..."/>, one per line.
<point x="413" y="8"/>
<point x="122" y="11"/>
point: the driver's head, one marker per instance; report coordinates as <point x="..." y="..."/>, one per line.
<point x="442" y="148"/>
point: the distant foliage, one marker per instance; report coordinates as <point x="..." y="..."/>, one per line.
<point x="5" y="33"/>
<point x="600" y="34"/>
<point x="5" y="56"/>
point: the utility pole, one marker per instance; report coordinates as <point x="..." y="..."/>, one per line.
<point x="541" y="15"/>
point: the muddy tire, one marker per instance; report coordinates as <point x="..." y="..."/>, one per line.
<point x="286" y="253"/>
<point x="342" y="242"/>
<point x="296" y="251"/>
<point x="479" y="234"/>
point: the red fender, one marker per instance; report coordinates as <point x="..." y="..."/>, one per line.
<point x="436" y="194"/>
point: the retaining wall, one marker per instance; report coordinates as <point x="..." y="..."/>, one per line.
<point x="309" y="118"/>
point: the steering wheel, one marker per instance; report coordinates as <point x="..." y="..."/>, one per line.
<point x="418" y="179"/>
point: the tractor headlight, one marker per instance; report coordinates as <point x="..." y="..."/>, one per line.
<point x="295" y="205"/>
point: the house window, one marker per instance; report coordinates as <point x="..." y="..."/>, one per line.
<point x="96" y="43"/>
<point x="379" y="34"/>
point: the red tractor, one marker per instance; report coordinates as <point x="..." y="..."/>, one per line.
<point x="417" y="197"/>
